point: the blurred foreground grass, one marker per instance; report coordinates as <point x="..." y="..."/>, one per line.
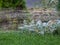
<point x="18" y="38"/>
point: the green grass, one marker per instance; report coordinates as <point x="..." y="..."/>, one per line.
<point x="18" y="38"/>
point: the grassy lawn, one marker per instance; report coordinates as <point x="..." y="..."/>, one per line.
<point x="18" y="38"/>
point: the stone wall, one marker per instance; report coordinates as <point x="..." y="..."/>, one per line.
<point x="46" y="16"/>
<point x="10" y="19"/>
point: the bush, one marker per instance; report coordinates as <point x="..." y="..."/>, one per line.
<point x="12" y="4"/>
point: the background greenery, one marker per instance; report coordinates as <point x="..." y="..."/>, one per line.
<point x="20" y="4"/>
<point x="58" y="6"/>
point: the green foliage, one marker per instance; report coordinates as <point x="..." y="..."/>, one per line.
<point x="12" y="4"/>
<point x="58" y="6"/>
